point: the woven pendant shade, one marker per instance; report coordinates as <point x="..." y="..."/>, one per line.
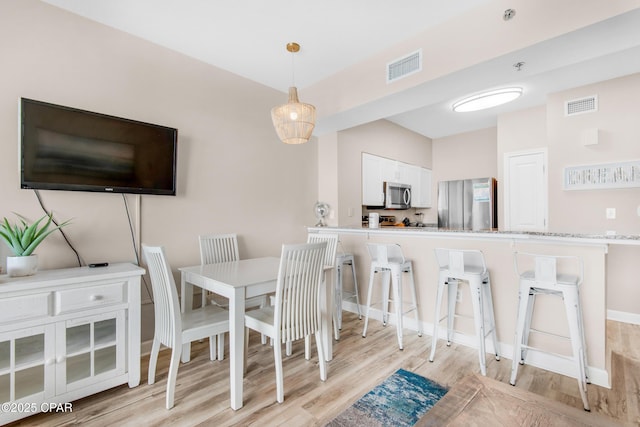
<point x="294" y="121"/>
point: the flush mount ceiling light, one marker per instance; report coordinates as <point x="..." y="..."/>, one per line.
<point x="486" y="100"/>
<point x="294" y="121"/>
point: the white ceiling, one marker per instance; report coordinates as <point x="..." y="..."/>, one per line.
<point x="248" y="38"/>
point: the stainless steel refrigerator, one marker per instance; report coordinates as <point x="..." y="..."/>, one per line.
<point x="468" y="204"/>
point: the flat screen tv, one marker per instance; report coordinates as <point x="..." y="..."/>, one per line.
<point x="63" y="148"/>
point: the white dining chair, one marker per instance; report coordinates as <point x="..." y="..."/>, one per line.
<point x="329" y="264"/>
<point x="172" y="328"/>
<point x="296" y="313"/>
<point x="217" y="248"/>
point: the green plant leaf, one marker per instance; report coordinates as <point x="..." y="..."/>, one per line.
<point x="24" y="238"/>
<point x="40" y="237"/>
<point x="30" y="232"/>
<point x="6" y="237"/>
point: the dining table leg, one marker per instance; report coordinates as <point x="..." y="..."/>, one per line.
<point x="236" y="345"/>
<point x="186" y="303"/>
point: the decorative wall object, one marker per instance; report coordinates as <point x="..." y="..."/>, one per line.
<point x="602" y="176"/>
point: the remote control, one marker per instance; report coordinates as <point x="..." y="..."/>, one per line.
<point x="99" y="264"/>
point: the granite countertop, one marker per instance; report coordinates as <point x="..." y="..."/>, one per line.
<point x="431" y="229"/>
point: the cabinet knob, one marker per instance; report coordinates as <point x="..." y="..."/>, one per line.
<point x="95" y="297"/>
<point x="49" y="362"/>
<point x="61" y="359"/>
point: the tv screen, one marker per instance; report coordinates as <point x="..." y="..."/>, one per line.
<point x="65" y="148"/>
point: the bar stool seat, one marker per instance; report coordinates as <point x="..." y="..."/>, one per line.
<point x="389" y="260"/>
<point x="344" y="259"/>
<point x="544" y="278"/>
<point x="469" y="266"/>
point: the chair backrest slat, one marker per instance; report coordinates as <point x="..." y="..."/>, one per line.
<point x="166" y="305"/>
<point x="297" y="310"/>
<point x="332" y="246"/>
<point x="216" y="248"/>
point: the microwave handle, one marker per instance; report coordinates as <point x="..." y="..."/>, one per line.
<point x="407" y="196"/>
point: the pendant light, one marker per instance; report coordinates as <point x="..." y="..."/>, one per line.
<point x="294" y="121"/>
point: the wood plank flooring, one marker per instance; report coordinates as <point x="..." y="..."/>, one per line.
<point x="202" y="390"/>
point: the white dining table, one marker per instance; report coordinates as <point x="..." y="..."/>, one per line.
<point x="237" y="281"/>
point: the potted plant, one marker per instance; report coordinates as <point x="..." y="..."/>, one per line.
<point x="23" y="238"/>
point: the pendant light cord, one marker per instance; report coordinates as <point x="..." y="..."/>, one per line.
<point x="293" y="70"/>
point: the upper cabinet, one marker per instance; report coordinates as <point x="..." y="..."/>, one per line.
<point x="372" y="179"/>
<point x="420" y="180"/>
<point x="376" y="170"/>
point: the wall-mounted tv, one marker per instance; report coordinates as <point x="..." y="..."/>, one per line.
<point x="64" y="148"/>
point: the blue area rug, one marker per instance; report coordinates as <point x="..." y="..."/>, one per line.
<point x="400" y="400"/>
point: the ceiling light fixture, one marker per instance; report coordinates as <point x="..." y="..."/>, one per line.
<point x="294" y="121"/>
<point x="488" y="99"/>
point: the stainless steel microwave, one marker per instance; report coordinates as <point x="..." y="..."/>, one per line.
<point x="397" y="196"/>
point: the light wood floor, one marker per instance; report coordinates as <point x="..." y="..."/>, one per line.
<point x="202" y="391"/>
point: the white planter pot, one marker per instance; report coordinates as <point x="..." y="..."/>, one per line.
<point x="18" y="266"/>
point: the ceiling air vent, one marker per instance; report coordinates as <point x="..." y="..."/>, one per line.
<point x="588" y="104"/>
<point x="404" y="66"/>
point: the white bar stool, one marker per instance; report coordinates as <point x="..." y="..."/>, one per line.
<point x="340" y="293"/>
<point x="389" y="260"/>
<point x="545" y="279"/>
<point x="465" y="265"/>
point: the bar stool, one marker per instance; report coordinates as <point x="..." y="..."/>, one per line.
<point x="344" y="259"/>
<point x="545" y="279"/>
<point x="389" y="260"/>
<point x="465" y="265"/>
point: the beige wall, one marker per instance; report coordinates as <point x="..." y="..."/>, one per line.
<point x="463" y="156"/>
<point x="617" y="121"/>
<point x="361" y="90"/>
<point x="517" y="132"/>
<point x="233" y="173"/>
<point x="584" y="211"/>
<point x="382" y="138"/>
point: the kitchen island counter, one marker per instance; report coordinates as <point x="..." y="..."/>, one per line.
<point x="609" y="260"/>
<point x="429" y="231"/>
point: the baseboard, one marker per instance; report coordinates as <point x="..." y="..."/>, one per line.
<point x="145" y="348"/>
<point x="546" y="361"/>
<point x="623" y="316"/>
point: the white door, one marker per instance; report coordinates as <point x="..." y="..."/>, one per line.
<point x="525" y="197"/>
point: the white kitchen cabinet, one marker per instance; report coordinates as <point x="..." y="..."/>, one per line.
<point x="391" y="171"/>
<point x="66" y="334"/>
<point x="421" y="188"/>
<point x="376" y="170"/>
<point x="372" y="180"/>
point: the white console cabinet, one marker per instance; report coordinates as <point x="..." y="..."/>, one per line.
<point x="66" y="334"/>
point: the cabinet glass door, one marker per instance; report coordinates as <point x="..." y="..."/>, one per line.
<point x="93" y="347"/>
<point x="24" y="358"/>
